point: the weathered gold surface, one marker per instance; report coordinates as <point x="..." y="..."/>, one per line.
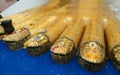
<point x="34" y="15"/>
<point x="35" y="41"/>
<point x="16" y="36"/>
<point x="52" y="31"/>
<point x="35" y="24"/>
<point x="94" y="14"/>
<point x="1" y="30"/>
<point x="73" y="32"/>
<point x="116" y="52"/>
<point x="112" y="33"/>
<point x="90" y="50"/>
<point x="62" y="46"/>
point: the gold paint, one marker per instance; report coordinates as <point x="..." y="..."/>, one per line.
<point x="17" y="36"/>
<point x="35" y="42"/>
<point x="93" y="13"/>
<point x="117" y="56"/>
<point x="94" y="54"/>
<point x="1" y="30"/>
<point x="116" y="52"/>
<point x="64" y="49"/>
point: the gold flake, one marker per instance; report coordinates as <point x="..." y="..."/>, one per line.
<point x="61" y="44"/>
<point x="92" y="53"/>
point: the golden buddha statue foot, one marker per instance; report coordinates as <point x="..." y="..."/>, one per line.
<point x="63" y="50"/>
<point x="16" y="40"/>
<point x="38" y="44"/>
<point x="92" y="56"/>
<point x="115" y="57"/>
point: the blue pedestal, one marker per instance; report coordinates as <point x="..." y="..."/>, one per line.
<point x="21" y="63"/>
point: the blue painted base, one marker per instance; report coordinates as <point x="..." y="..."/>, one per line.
<point x="20" y="63"/>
